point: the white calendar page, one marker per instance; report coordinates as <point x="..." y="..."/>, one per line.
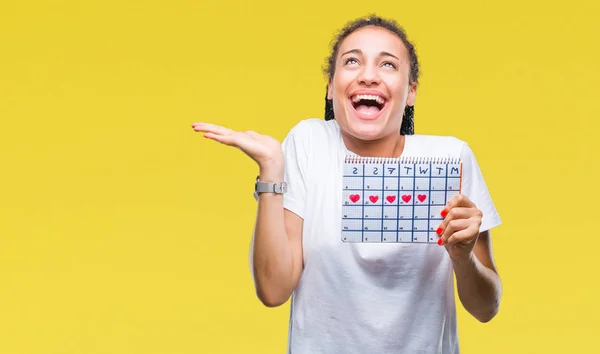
<point x="396" y="200"/>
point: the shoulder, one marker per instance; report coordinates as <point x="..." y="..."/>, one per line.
<point x="436" y="139"/>
<point x="314" y="132"/>
<point x="306" y="127"/>
<point x="435" y="145"/>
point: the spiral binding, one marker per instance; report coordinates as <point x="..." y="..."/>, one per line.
<point x="354" y="159"/>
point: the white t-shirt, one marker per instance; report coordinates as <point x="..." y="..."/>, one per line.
<point x="368" y="298"/>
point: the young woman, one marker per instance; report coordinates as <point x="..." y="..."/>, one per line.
<point x="358" y="297"/>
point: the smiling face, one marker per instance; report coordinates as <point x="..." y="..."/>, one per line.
<point x="371" y="87"/>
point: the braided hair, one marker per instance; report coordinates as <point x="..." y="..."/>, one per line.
<point x="407" y="127"/>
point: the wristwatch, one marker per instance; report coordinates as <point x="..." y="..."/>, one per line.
<point x="268" y="187"/>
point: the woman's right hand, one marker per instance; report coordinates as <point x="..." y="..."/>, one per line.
<point x="263" y="149"/>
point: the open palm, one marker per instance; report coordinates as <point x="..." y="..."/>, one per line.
<point x="263" y="149"/>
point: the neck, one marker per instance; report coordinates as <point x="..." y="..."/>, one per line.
<point x="390" y="146"/>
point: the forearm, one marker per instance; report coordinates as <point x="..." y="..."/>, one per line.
<point x="273" y="264"/>
<point x="479" y="288"/>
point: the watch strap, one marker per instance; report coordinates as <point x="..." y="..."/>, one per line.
<point x="269" y="187"/>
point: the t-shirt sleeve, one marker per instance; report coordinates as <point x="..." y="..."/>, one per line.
<point x="295" y="150"/>
<point x="475" y="188"/>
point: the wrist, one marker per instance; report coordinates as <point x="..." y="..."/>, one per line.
<point x="270" y="182"/>
<point x="271" y="172"/>
<point x="465" y="261"/>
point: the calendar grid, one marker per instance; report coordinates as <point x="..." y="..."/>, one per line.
<point x="382" y="201"/>
<point x="429" y="201"/>
<point x="362" y="229"/>
<point x="411" y="193"/>
<point x="398" y="209"/>
<point x="446" y="188"/>
<point x="413" y="204"/>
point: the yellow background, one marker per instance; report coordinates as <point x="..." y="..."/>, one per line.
<point x="122" y="231"/>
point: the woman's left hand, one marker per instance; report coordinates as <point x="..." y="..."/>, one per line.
<point x="460" y="228"/>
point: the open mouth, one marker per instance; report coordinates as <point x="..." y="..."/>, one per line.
<point x="368" y="106"/>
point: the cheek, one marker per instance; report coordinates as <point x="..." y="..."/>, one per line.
<point x="342" y="81"/>
<point x="397" y="87"/>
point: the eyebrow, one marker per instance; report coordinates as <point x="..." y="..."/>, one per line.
<point x="358" y="51"/>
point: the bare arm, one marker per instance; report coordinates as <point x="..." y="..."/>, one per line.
<point x="478" y="282"/>
<point x="276" y="252"/>
<point x="277" y="247"/>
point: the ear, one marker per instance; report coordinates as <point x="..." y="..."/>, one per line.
<point x="329" y="91"/>
<point x="412" y="94"/>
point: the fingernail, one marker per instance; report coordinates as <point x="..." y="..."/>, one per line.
<point x="439" y="231"/>
<point x="444" y="213"/>
<point x="440" y="241"/>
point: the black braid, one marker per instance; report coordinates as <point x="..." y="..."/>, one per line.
<point x="328" y="108"/>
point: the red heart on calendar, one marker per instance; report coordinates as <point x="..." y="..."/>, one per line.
<point x="422" y="197"/>
<point x="354" y="198"/>
<point x="390" y="198"/>
<point x="406" y="198"/>
<point x="374" y="198"/>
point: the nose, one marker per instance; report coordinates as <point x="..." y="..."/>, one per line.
<point x="368" y="76"/>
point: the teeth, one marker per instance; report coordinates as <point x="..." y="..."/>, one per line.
<point x="376" y="98"/>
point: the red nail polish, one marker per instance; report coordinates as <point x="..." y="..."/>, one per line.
<point x="440" y="241"/>
<point x="439" y="231"/>
<point x="444" y="213"/>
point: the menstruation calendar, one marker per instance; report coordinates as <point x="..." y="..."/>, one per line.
<point x="397" y="199"/>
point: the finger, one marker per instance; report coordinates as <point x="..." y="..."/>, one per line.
<point x="465" y="236"/>
<point x="232" y="139"/>
<point x="253" y="134"/>
<point x="240" y="140"/>
<point x="454" y="226"/>
<point x="211" y="128"/>
<point x="456" y="213"/>
<point x="459" y="200"/>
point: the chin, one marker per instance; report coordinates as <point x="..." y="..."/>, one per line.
<point x="366" y="126"/>
<point x="366" y="130"/>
